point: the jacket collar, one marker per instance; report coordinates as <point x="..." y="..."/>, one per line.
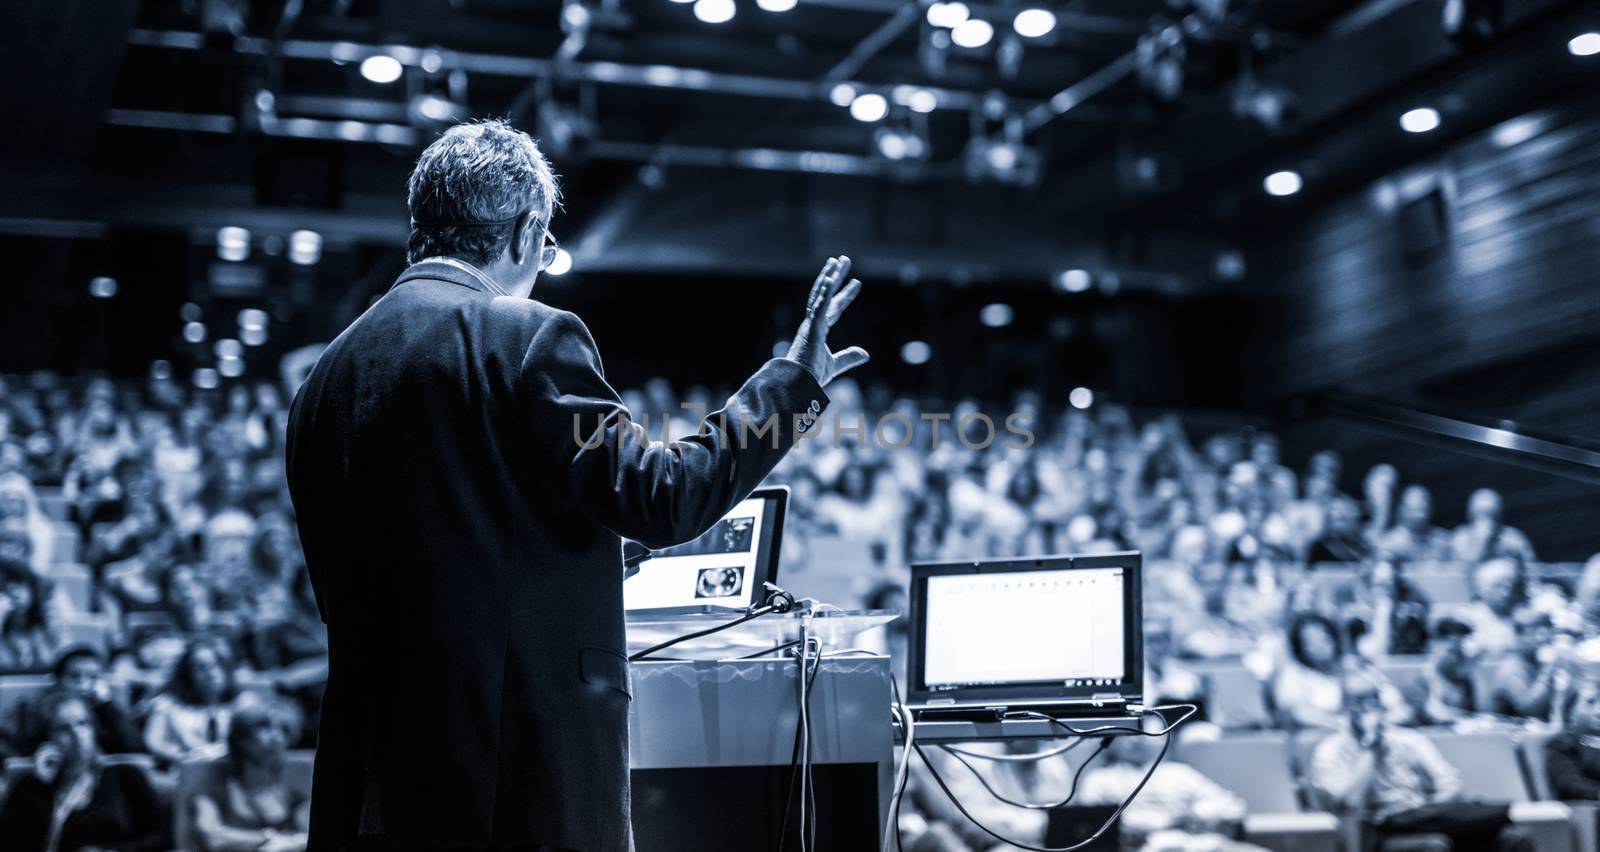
<point x="453" y="271"/>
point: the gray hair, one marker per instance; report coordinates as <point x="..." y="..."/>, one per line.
<point x="471" y="186"/>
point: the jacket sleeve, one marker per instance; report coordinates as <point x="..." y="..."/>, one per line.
<point x="1567" y="778"/>
<point x="653" y="492"/>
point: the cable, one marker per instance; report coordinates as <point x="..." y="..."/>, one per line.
<point x="908" y="729"/>
<point x="1015" y="758"/>
<point x="773" y="650"/>
<point x="794" y="767"/>
<point x="1165" y="733"/>
<point x="1071" y="791"/>
<point x="778" y="601"/>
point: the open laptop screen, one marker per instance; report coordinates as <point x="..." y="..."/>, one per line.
<point x="1056" y="628"/>
<point x="723" y="568"/>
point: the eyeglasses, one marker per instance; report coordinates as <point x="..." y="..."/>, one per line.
<point x="547" y="255"/>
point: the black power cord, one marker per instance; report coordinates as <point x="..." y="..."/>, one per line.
<point x="1112" y="730"/>
<point x="794" y="757"/>
<point x="778" y="601"/>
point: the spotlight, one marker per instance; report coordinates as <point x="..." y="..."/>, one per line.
<point x="194" y="332"/>
<point x="1074" y="280"/>
<point x="252" y="318"/>
<point x="997" y="315"/>
<point x="1283" y="183"/>
<point x="1420" y="120"/>
<point x="1081" y="398"/>
<point x="869" y="107"/>
<point x="254" y="336"/>
<point x="916" y="352"/>
<point x="233" y="243"/>
<point x="891" y="145"/>
<point x="305" y="248"/>
<point x="843" y="95"/>
<point x="205" y="378"/>
<point x="776" y="5"/>
<point x="231" y="368"/>
<point x="1586" y="44"/>
<point x="381" y="68"/>
<point x="228" y="348"/>
<point x="561" y="264"/>
<point x="190" y="312"/>
<point x="922" y="101"/>
<point x="972" y="33"/>
<point x="714" y="11"/>
<point x="575" y="16"/>
<point x="1033" y="23"/>
<point x="1517" y="131"/>
<point x="948" y="15"/>
<point x="102" y="287"/>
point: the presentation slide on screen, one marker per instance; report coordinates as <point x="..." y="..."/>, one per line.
<point x="1024" y="626"/>
<point x="712" y="570"/>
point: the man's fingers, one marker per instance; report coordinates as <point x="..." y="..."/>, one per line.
<point x="843" y="300"/>
<point x="820" y="287"/>
<point x="849" y="359"/>
<point x="841" y="274"/>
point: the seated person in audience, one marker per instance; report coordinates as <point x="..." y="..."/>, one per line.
<point x="27" y="642"/>
<point x="1397" y="778"/>
<point x="1377" y="509"/>
<point x="1305" y="688"/>
<point x="71" y="802"/>
<point x="1451" y="692"/>
<point x="1572" y="757"/>
<point x="79" y="673"/>
<point x="1341" y="539"/>
<point x="1415" y="538"/>
<point x="19" y="507"/>
<point x="1166" y="678"/>
<point x="227" y="567"/>
<point x="1484" y="537"/>
<point x="1177" y="800"/>
<point x="251" y="807"/>
<point x="190" y="717"/>
<point x="1498" y="590"/>
<point x="1535" y="680"/>
<point x="1384" y="611"/>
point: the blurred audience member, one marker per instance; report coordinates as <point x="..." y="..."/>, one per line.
<point x="251" y="807"/>
<point x="1415" y="538"/>
<point x="1187" y="809"/>
<point x="1484" y="537"/>
<point x="1572" y="757"/>
<point x="27" y="640"/>
<point x="79" y="673"/>
<point x="72" y="801"/>
<point x="1450" y="688"/>
<point x="190" y="716"/>
<point x="1383" y="611"/>
<point x="1397" y="778"/>
<point x="1534" y="680"/>
<point x="1498" y="589"/>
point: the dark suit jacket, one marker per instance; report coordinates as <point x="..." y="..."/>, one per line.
<point x="465" y="551"/>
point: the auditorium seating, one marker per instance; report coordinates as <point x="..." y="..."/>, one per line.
<point x="1492" y="770"/>
<point x="1236" y="698"/>
<point x="1257" y="768"/>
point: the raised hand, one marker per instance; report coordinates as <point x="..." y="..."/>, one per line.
<point x="826" y="303"/>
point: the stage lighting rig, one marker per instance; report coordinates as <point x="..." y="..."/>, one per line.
<point x="1471" y="22"/>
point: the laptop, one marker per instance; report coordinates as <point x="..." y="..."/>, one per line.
<point x="721" y="571"/>
<point x="1061" y="635"/>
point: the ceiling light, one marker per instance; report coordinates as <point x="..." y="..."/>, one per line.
<point x="1075" y="280"/>
<point x="922" y="100"/>
<point x="1587" y="44"/>
<point x="714" y="11"/>
<point x="305" y="247"/>
<point x="1283" y="183"/>
<point x="1033" y="23"/>
<point x="102" y="287"/>
<point x="869" y="107"/>
<point x="776" y="5"/>
<point x="997" y="315"/>
<point x="381" y="68"/>
<point x="1420" y="120"/>
<point x="948" y="15"/>
<point x="843" y="95"/>
<point x="916" y="352"/>
<point x="972" y="33"/>
<point x="1081" y="398"/>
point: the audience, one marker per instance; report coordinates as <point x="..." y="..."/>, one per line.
<point x="1572" y="757"/>
<point x="1179" y="808"/>
<point x="174" y="502"/>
